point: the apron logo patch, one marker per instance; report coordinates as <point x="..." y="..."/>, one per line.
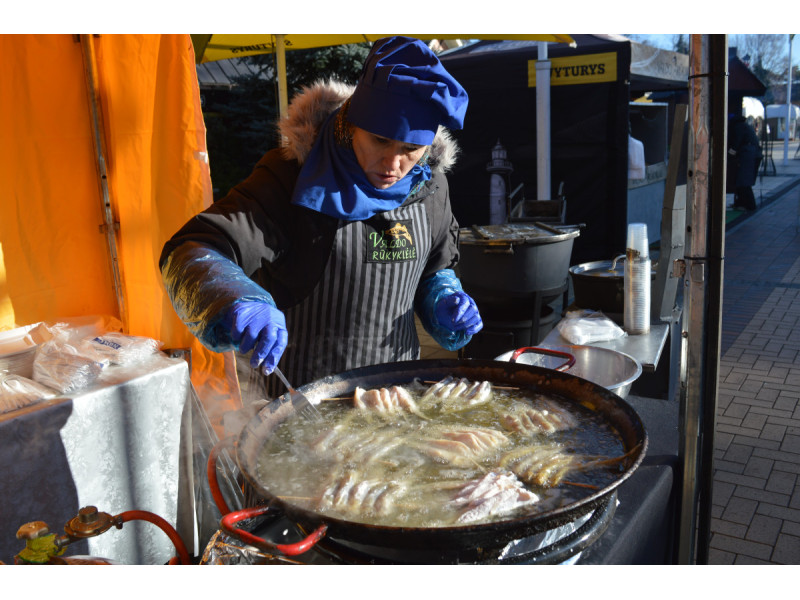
<point x="390" y="243"/>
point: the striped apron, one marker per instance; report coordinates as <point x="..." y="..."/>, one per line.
<point x="361" y="311"/>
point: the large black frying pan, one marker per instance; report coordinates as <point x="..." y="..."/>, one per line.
<point x="610" y="407"/>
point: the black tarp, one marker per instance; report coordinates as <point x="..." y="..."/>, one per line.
<point x="589" y="135"/>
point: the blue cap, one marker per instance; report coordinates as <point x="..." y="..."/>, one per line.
<point x="405" y="93"/>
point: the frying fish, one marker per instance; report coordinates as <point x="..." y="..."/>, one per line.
<point x="359" y="446"/>
<point x="497" y="493"/>
<point x="458" y="393"/>
<point x="461" y="446"/>
<point x="546" y="417"/>
<point x="350" y="494"/>
<point x="385" y="400"/>
<point x="546" y="466"/>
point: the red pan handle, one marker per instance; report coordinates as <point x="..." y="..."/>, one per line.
<point x="228" y="526"/>
<point x="229" y="519"/>
<point x="570" y="359"/>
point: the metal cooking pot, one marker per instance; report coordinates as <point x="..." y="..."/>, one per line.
<point x="517" y="258"/>
<point x="615" y="371"/>
<point x="456" y="540"/>
<point x="600" y="285"/>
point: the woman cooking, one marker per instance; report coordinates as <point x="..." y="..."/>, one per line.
<point x="318" y="260"/>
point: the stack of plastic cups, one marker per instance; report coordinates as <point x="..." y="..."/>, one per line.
<point x="637" y="280"/>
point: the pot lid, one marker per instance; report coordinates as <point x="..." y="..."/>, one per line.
<point x="516" y="233"/>
<point x="600" y="268"/>
<point x="604" y="268"/>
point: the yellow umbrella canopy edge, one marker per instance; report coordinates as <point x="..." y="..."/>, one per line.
<point x="217" y="46"/>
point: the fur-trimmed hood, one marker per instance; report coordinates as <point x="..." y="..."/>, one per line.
<point x="309" y="109"/>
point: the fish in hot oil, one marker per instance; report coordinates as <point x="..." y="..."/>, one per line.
<point x="453" y="394"/>
<point x="496" y="494"/>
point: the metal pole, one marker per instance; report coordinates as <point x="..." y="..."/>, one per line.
<point x="708" y="90"/>
<point x="283" y="94"/>
<point x="110" y="223"/>
<point x="788" y="107"/>
<point x="543" y="187"/>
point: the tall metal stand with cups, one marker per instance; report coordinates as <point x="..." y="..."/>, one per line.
<point x="637" y="281"/>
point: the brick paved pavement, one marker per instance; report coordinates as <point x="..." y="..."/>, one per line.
<point x="756" y="499"/>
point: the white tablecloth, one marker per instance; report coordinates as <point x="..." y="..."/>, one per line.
<point x="116" y="445"/>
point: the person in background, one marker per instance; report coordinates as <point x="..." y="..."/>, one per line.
<point x="744" y="155"/>
<point x="318" y="261"/>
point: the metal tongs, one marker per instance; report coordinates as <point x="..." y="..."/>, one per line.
<point x="299" y="400"/>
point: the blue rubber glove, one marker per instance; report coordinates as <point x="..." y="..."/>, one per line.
<point x="260" y="327"/>
<point x="458" y="312"/>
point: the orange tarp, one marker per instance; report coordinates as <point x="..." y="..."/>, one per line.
<point x="54" y="257"/>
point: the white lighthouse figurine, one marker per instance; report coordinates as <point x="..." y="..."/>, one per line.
<point x="500" y="168"/>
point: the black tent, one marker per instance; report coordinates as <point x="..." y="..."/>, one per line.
<point x="591" y="87"/>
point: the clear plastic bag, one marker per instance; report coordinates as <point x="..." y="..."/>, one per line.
<point x="119" y="348"/>
<point x="62" y="365"/>
<point x="78" y="350"/>
<point x="17" y="392"/>
<point x="586" y="326"/>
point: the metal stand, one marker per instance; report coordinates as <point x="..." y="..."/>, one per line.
<point x="512" y="313"/>
<point x="552" y="212"/>
<point x="766" y="154"/>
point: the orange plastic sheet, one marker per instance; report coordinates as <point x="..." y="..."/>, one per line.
<point x="54" y="257"/>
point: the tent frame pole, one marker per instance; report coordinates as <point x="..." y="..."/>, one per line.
<point x="544" y="190"/>
<point x="704" y="264"/>
<point x="110" y="224"/>
<point x="283" y="94"/>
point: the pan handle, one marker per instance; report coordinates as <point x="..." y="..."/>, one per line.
<point x="570" y="359"/>
<point x="228" y="526"/>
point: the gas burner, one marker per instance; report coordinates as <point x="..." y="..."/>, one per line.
<point x="561" y="545"/>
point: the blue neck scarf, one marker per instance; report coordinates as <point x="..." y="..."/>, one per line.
<point x="332" y="182"/>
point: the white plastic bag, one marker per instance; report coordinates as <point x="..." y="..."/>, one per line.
<point x="586" y="326"/>
<point x="119" y="348"/>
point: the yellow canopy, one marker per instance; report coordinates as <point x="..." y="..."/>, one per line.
<point x="219" y="46"/>
<point x="55" y="261"/>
